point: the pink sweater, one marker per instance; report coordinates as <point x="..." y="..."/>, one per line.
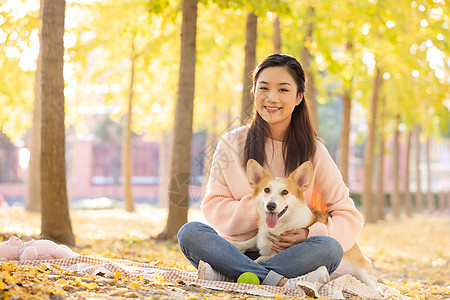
<point x="228" y="207"/>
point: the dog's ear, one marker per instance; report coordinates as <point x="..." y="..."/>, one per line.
<point x="302" y="175"/>
<point x="255" y="172"/>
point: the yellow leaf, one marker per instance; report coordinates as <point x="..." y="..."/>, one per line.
<point x="56" y="267"/>
<point x="61" y="281"/>
<point x="278" y="297"/>
<point x="78" y="282"/>
<point x="56" y="291"/>
<point x="91" y="285"/>
<point x="5" y="275"/>
<point x="7" y="266"/>
<point x="139" y="277"/>
<point x="159" y="277"/>
<point x="42" y="268"/>
<point x="135" y="285"/>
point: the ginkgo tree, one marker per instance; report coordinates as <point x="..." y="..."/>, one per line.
<point x="19" y="43"/>
<point x="123" y="45"/>
<point x="132" y="63"/>
<point x="417" y="64"/>
<point x="352" y="38"/>
<point x="406" y="95"/>
<point x="180" y="162"/>
<point x="55" y="216"/>
<point x="338" y="58"/>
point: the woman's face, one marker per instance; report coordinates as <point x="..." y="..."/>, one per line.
<point x="276" y="97"/>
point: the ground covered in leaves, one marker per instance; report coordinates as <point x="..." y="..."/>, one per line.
<point x="412" y="255"/>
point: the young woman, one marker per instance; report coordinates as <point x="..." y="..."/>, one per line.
<point x="280" y="137"/>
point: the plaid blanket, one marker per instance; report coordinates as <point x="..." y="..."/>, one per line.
<point x="340" y="288"/>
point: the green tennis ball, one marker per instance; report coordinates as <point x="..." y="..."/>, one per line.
<point x="248" y="277"/>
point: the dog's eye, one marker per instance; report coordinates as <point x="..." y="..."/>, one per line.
<point x="284" y="192"/>
<point x="266" y="190"/>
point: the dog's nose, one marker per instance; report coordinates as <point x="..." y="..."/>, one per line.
<point x="271" y="206"/>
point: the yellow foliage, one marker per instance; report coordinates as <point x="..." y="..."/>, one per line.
<point x="56" y="291"/>
<point x="410" y="255"/>
<point x="2" y="285"/>
<point x="61" y="281"/>
<point x="56" y="267"/>
<point x="135" y="285"/>
<point x="131" y="294"/>
<point x="42" y="268"/>
<point x="278" y="297"/>
<point x="159" y="277"/>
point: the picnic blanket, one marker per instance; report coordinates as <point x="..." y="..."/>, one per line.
<point x="340" y="288"/>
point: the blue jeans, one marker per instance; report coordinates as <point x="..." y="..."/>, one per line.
<point x="199" y="241"/>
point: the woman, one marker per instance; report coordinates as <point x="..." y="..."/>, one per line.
<point x="280" y="137"/>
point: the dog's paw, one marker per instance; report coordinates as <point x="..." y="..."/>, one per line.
<point x="263" y="258"/>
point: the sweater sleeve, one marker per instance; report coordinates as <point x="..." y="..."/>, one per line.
<point x="345" y="221"/>
<point x="228" y="205"/>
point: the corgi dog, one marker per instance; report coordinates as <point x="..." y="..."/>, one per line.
<point x="281" y="207"/>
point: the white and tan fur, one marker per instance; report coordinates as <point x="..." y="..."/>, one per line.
<point x="273" y="195"/>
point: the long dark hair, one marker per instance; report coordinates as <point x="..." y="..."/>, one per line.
<point x="299" y="144"/>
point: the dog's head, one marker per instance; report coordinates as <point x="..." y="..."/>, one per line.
<point x="277" y="197"/>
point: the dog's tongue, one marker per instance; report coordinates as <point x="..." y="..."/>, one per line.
<point x="271" y="220"/>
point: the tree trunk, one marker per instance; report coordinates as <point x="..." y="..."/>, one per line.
<point x="395" y="199"/>
<point x="408" y="200"/>
<point x="419" y="195"/>
<point x="56" y="223"/>
<point x="345" y="134"/>
<point x="306" y="58"/>
<point x="430" y="196"/>
<point x="250" y="63"/>
<point x="380" y="180"/>
<point x="442" y="206"/>
<point x="380" y="185"/>
<point x="367" y="201"/>
<point x="276" y="37"/>
<point x="33" y="200"/>
<point x="163" y="169"/>
<point x="182" y="134"/>
<point x="346" y="122"/>
<point x="127" y="141"/>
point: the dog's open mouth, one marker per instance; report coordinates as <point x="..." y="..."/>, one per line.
<point x="272" y="218"/>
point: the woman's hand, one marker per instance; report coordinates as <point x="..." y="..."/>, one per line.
<point x="288" y="239"/>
